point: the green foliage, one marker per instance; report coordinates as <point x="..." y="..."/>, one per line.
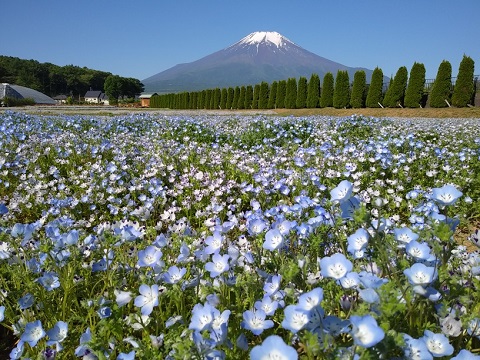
<point x="256" y="96"/>
<point x="236" y="97"/>
<point x="442" y="87"/>
<point x="113" y="88"/>
<point x="313" y="92"/>
<point x="263" y="95"/>
<point x="291" y="94"/>
<point x="359" y="90"/>
<point x="10" y="101"/>
<point x="272" y="99"/>
<point x="463" y="90"/>
<point x="281" y="92"/>
<point x="230" y="93"/>
<point x="301" y="101"/>
<point x="374" y="95"/>
<point x="396" y="92"/>
<point x="341" y="94"/>
<point x="241" y="98"/>
<point x="248" y="97"/>
<point x="326" y="98"/>
<point x="415" y="88"/>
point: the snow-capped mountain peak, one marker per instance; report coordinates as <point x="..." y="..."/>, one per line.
<point x="259" y="37"/>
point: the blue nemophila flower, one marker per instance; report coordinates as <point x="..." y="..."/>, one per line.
<point x="273" y="240"/>
<point x="267" y="304"/>
<point x="273" y="347"/>
<point x="446" y="195"/>
<point x="342" y="192"/>
<point x="122" y="297"/>
<point x="17" y="351"/>
<point x="57" y="334"/>
<point x="218" y="265"/>
<point x="104" y="312"/>
<point x="255" y="321"/>
<point x="173" y="275"/>
<point x="147" y="299"/>
<point x="466" y="355"/>
<point x="475" y="238"/>
<point x="335" y="266"/>
<point x="357" y="242"/>
<point x="83" y="349"/>
<point x="202" y="317"/>
<point x="33" y="333"/>
<point x="256" y="226"/>
<point x="311" y="299"/>
<point x="351" y="280"/>
<point x="3" y="209"/>
<point x="473" y="328"/>
<point x="124" y="356"/>
<point x="335" y="326"/>
<point x="214" y="243"/>
<point x="295" y="318"/>
<point x="437" y="344"/>
<point x="415" y="349"/>
<point x="365" y="331"/>
<point x="150" y="256"/>
<point x="419" y="251"/>
<point x="404" y="235"/>
<point x="419" y="274"/>
<point x="26" y="301"/>
<point x="49" y="281"/>
<point x="272" y="285"/>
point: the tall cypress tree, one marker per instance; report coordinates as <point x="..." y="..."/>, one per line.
<point x="281" y="92"/>
<point x="463" y="89"/>
<point x="326" y="98"/>
<point x="291" y="93"/>
<point x="301" y="101"/>
<point x="272" y="98"/>
<point x="357" y="99"/>
<point x="236" y="97"/>
<point x="416" y="86"/>
<point x="442" y="87"/>
<point x="217" y="95"/>
<point x="396" y="92"/>
<point x="374" y="95"/>
<point x="263" y="95"/>
<point x="341" y="93"/>
<point x="249" y="97"/>
<point x="230" y="93"/>
<point x="223" y="98"/>
<point x="241" y="98"/>
<point x="313" y="92"/>
<point x="256" y="96"/>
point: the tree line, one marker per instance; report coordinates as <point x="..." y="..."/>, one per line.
<point x="338" y="91"/>
<point x="69" y="80"/>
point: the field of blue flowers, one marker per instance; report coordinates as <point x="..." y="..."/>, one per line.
<point x="146" y="236"/>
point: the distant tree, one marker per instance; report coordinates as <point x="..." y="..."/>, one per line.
<point x="416" y="86"/>
<point x="301" y="101"/>
<point x="357" y="98"/>
<point x="341" y="93"/>
<point x="193" y="100"/>
<point x="272" y="98"/>
<point x="291" y="93"/>
<point x="463" y="90"/>
<point x="113" y="88"/>
<point x="442" y="87"/>
<point x="230" y="93"/>
<point x="241" y="98"/>
<point x="236" y="96"/>
<point x="313" y="92"/>
<point x="217" y="95"/>
<point x="248" y="97"/>
<point x="395" y="94"/>
<point x="374" y="94"/>
<point x="281" y="92"/>
<point x="208" y="99"/>
<point x="223" y="98"/>
<point x="326" y="97"/>
<point x="263" y="95"/>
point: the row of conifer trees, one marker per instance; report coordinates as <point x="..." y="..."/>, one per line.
<point x="337" y="92"/>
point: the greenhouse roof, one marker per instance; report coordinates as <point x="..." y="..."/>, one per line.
<point x="22" y="92"/>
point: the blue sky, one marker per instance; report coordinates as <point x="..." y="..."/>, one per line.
<point x="141" y="38"/>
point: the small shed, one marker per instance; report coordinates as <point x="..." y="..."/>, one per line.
<point x="145" y="99"/>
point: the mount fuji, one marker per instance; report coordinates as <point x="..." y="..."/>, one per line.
<point x="259" y="56"/>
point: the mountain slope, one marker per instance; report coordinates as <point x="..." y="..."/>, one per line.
<point x="260" y="56"/>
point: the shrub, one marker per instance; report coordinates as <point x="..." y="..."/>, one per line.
<point x="9" y="101"/>
<point x="442" y="87"/>
<point x="374" y="96"/>
<point x="415" y="87"/>
<point x="326" y="98"/>
<point x="464" y="89"/>
<point x="357" y="99"/>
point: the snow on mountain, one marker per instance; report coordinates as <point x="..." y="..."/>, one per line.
<point x="260" y="56"/>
